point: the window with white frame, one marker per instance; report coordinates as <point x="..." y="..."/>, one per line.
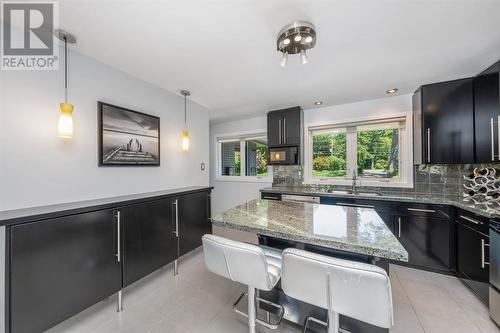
<point x="374" y="150"/>
<point x="243" y="157"/>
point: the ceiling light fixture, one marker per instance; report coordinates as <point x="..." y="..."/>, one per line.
<point x="296" y="38"/>
<point x="318" y="103"/>
<point x="284" y="59"/>
<point x="392" y="91"/>
<point x="65" y="126"/>
<point x="185" y="133"/>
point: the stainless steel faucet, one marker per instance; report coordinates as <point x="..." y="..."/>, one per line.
<point x="354" y="180"/>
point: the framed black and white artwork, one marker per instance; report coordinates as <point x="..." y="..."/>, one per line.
<point x="127" y="137"/>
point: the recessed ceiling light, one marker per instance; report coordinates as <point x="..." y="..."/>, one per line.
<point x="392" y="91"/>
<point x="318" y="103"/>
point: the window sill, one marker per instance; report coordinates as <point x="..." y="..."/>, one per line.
<point x="244" y="179"/>
<point x="359" y="182"/>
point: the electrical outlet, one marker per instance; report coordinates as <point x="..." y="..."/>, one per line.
<point x="202" y="166"/>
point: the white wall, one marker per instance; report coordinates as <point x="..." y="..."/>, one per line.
<point x="229" y="194"/>
<point x="38" y="168"/>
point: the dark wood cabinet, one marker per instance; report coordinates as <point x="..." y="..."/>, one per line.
<point x="426" y="232"/>
<point x="473" y="254"/>
<point x="284" y="127"/>
<point x="194" y="214"/>
<point x="444" y="123"/>
<point x="427" y="241"/>
<point x="487" y="115"/>
<point x="59" y="267"/>
<point x="148" y="239"/>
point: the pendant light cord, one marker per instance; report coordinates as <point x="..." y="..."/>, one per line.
<point x="65" y="70"/>
<point x="185" y="112"/>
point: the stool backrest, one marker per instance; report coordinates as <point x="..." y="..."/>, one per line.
<point x="357" y="290"/>
<point x="237" y="261"/>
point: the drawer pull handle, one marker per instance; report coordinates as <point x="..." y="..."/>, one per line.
<point x="269" y="198"/>
<point x="421" y="210"/>
<point x="354" y="205"/>
<point x="483" y="245"/>
<point x="471" y="220"/>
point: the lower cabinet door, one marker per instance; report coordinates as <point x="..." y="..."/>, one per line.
<point x="427" y="241"/>
<point x="472" y="261"/>
<point x="59" y="267"/>
<point x="148" y="239"/>
<point x="193" y="220"/>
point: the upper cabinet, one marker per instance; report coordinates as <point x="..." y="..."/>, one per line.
<point x="487" y="115"/>
<point x="443" y="120"/>
<point x="284" y="127"/>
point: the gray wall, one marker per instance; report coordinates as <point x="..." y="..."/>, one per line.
<point x="2" y="279"/>
<point x="38" y="168"/>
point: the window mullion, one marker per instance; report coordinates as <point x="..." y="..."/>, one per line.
<point x="243" y="160"/>
<point x="351" y="151"/>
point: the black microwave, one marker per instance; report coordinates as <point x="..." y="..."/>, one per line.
<point x="284" y="156"/>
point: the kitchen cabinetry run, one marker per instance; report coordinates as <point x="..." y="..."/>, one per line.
<point x="61" y="266"/>
<point x="473" y="252"/>
<point x="284" y="127"/>
<point x="443" y="120"/>
<point x="66" y="260"/>
<point x="487" y="115"/>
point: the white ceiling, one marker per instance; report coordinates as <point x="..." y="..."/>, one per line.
<point x="224" y="50"/>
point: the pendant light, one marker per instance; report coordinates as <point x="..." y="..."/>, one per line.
<point x="66" y="109"/>
<point x="185" y="133"/>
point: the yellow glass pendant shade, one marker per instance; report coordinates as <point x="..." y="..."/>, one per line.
<point x="185" y="140"/>
<point x="66" y="121"/>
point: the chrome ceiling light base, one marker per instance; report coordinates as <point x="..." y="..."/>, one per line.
<point x="295" y="38"/>
<point x="64" y="36"/>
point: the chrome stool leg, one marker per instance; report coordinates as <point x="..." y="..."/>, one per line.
<point x="259" y="300"/>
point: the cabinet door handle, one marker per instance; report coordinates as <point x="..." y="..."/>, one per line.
<point x="492" y="135"/>
<point x="118" y="237"/>
<point x="483" y="263"/>
<point x="470" y="220"/>
<point x="176" y="231"/>
<point x="421" y="210"/>
<point x="284" y="130"/>
<point x="279" y="131"/>
<point x="399" y="226"/>
<point x="355" y="205"/>
<point x="498" y="133"/>
<point x="428" y="145"/>
<point x="269" y="198"/>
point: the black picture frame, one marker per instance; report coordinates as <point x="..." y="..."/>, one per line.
<point x="149" y="159"/>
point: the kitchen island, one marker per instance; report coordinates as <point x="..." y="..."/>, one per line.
<point x="352" y="233"/>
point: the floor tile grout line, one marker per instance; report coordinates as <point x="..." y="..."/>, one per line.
<point x="411" y="304"/>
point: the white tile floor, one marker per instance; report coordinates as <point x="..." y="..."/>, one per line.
<point x="198" y="301"/>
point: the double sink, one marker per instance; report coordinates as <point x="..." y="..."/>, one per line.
<point x="355" y="192"/>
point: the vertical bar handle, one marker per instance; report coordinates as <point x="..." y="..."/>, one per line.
<point x="428" y="145"/>
<point x="284" y="130"/>
<point x="483" y="262"/>
<point x="498" y="133"/>
<point x="279" y="131"/>
<point x="118" y="237"/>
<point x="399" y="226"/>
<point x="492" y="135"/>
<point x="176" y="232"/>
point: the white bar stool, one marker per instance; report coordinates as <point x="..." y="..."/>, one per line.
<point x="357" y="290"/>
<point x="252" y="265"/>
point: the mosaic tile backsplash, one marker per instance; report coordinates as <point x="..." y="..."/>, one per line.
<point x="436" y="179"/>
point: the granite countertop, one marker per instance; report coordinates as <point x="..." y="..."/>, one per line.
<point x="452" y="200"/>
<point x="352" y="229"/>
